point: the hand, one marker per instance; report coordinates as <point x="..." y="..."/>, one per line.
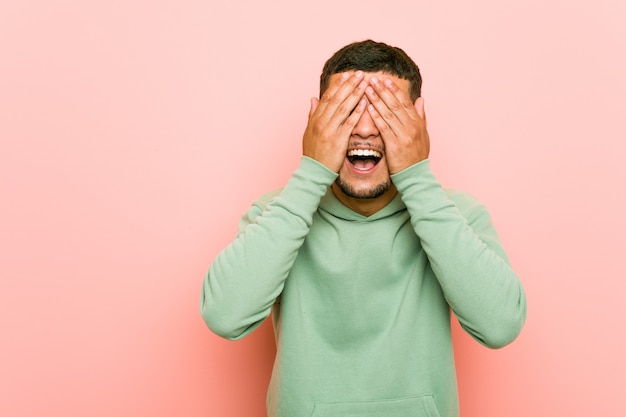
<point x="332" y="119"/>
<point x="402" y="124"/>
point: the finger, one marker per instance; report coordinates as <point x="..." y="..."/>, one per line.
<point x="342" y="99"/>
<point x="332" y="90"/>
<point x="386" y="132"/>
<point x="347" y="107"/>
<point x="385" y="119"/>
<point x="395" y="99"/>
<point x="401" y="96"/>
<point x="355" y="116"/>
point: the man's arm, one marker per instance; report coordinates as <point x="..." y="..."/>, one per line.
<point x="247" y="276"/>
<point x="466" y="256"/>
<point x="463" y="248"/>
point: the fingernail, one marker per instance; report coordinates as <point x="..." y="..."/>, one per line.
<point x="358" y="74"/>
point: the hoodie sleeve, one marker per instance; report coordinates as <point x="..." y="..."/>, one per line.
<point x="466" y="256"/>
<point x="245" y="279"/>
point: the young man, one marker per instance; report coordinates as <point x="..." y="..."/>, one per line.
<point x="362" y="255"/>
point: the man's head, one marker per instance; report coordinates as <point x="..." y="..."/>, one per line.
<point x="371" y="93"/>
<point x="371" y="56"/>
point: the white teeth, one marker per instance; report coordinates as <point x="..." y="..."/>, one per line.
<point x="364" y="152"/>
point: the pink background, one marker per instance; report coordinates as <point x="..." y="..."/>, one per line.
<point x="135" y="133"/>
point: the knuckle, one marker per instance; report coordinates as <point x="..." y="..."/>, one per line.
<point x="384" y="128"/>
<point x="317" y="127"/>
<point x="327" y="97"/>
<point x="388" y="114"/>
<point x="336" y="99"/>
<point x="395" y="106"/>
<point x="343" y="109"/>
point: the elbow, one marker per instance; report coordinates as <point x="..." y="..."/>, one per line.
<point x="220" y="324"/>
<point x="228" y="323"/>
<point x="501" y="338"/>
<point x="220" y="328"/>
<point x="506" y="321"/>
<point x="226" y="332"/>
<point x="217" y="314"/>
<point x="505" y="330"/>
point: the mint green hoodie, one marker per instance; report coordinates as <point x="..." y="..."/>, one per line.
<point x="361" y="305"/>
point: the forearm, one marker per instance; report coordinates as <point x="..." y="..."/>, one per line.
<point x="245" y="279"/>
<point x="466" y="256"/>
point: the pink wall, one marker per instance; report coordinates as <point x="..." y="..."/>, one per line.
<point x="134" y="134"/>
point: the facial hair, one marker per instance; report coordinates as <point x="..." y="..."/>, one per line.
<point x="369" y="193"/>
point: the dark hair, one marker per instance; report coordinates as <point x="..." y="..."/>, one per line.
<point x="370" y="56"/>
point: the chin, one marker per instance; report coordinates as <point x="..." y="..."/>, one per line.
<point x="365" y="192"/>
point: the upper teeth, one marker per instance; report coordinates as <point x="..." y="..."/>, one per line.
<point x="364" y="152"/>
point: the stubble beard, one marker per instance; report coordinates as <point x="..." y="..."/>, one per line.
<point x="368" y="193"/>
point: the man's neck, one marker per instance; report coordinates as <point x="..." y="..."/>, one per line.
<point x="365" y="206"/>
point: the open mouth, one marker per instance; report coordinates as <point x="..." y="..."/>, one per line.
<point x="364" y="159"/>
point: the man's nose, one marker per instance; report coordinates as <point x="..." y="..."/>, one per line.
<point x="365" y="127"/>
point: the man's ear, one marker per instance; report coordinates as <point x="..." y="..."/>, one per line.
<point x="419" y="107"/>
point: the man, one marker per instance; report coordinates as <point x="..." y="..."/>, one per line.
<point x="362" y="255"/>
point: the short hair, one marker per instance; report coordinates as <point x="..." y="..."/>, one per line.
<point x="371" y="56"/>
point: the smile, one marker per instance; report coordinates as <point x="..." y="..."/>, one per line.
<point x="364" y="159"/>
